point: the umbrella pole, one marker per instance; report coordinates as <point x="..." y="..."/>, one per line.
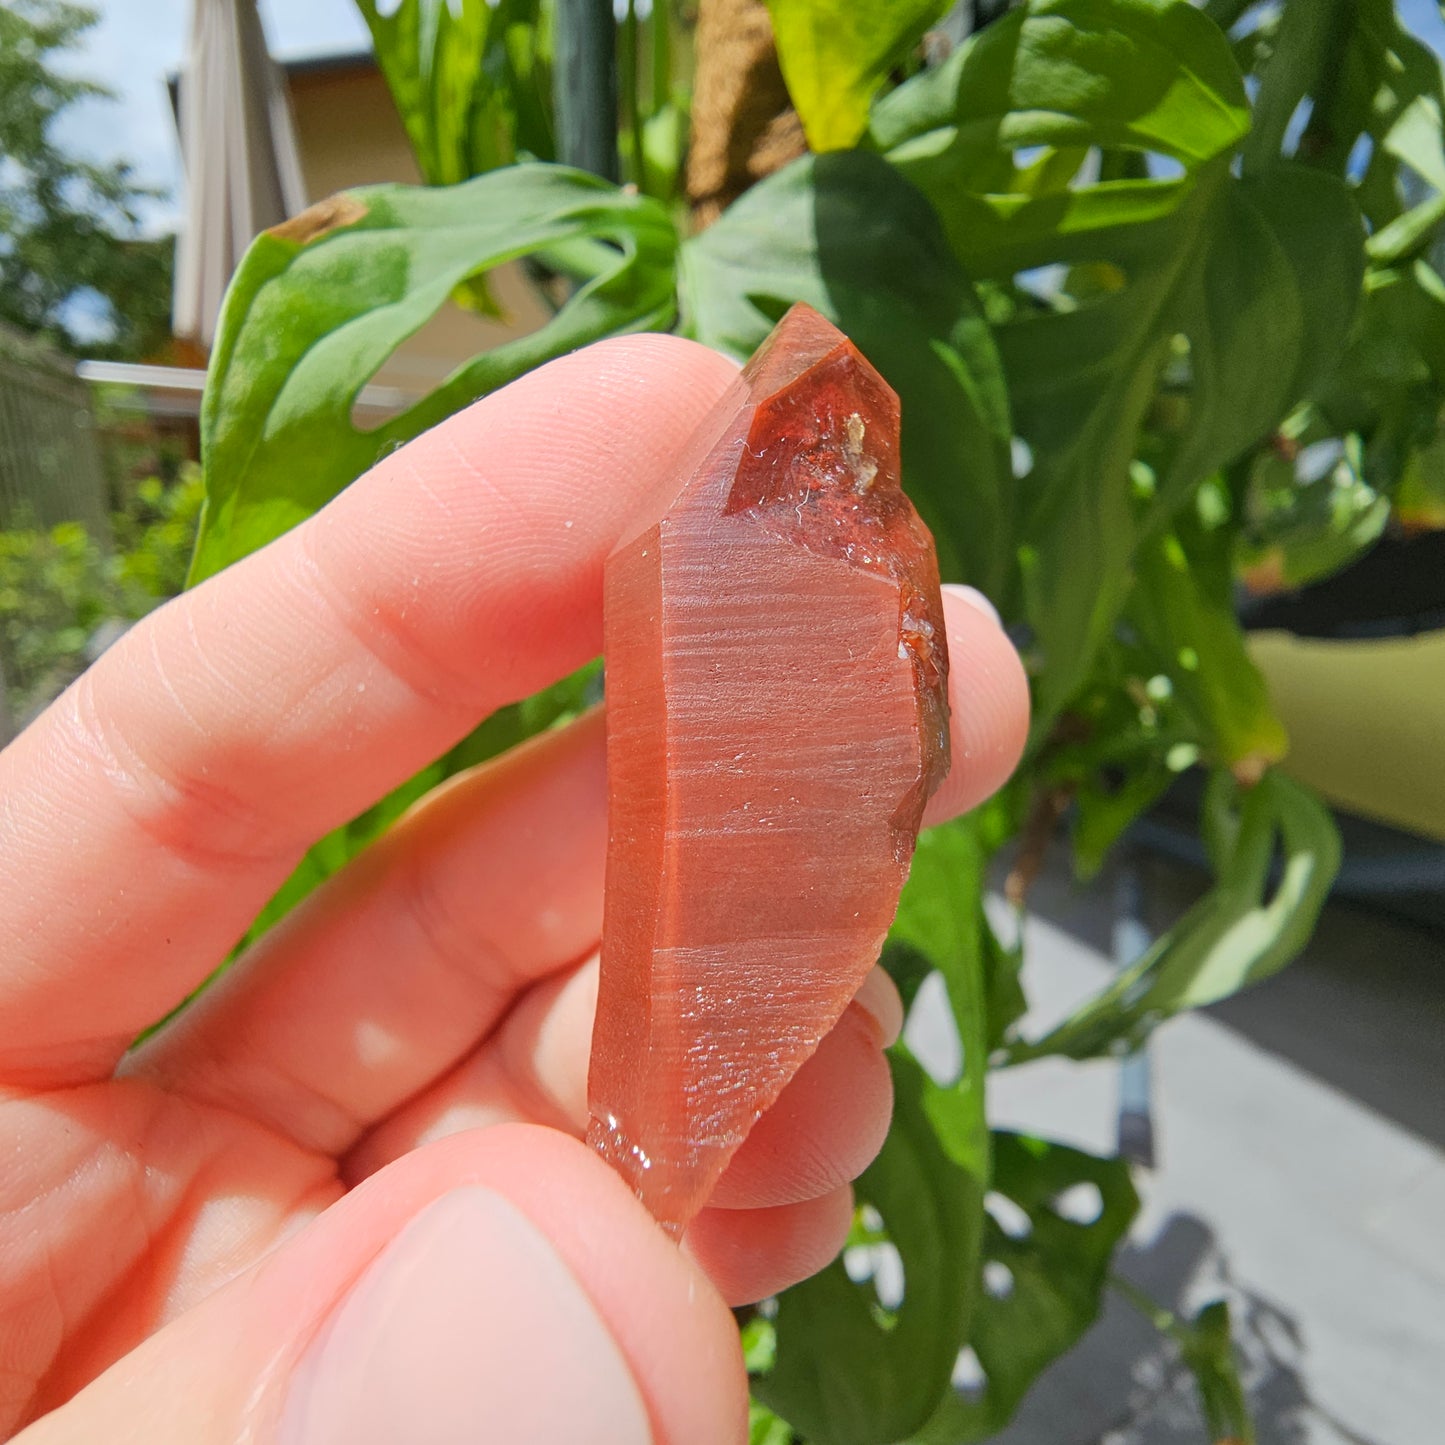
<point x="584" y="86"/>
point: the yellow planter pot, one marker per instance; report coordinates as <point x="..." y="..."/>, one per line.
<point x="1366" y="722"/>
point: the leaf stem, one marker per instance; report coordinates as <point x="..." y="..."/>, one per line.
<point x="1163" y="1320"/>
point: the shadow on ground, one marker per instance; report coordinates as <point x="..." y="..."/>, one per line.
<point x="1124" y="1384"/>
<point x="1362" y="1010"/>
<point x="1332" y="1273"/>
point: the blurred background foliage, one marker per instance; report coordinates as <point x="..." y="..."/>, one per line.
<point x="1160" y="286"/>
<point x="59" y="586"/>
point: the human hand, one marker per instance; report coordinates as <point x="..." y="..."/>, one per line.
<point x="342" y="1197"/>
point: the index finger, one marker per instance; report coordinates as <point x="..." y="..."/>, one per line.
<point x="148" y="815"/>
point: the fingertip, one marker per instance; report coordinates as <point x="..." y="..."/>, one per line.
<point x="976" y="599"/>
<point x="467" y="1320"/>
<point x="485" y="537"/>
<point x="493" y="1282"/>
<point x="825" y="1129"/>
<point x="668" y="1321"/>
<point x="750" y="1254"/>
<point x="655" y="353"/>
<point x="641" y="394"/>
<point x="881" y="1002"/>
<point x="988" y="695"/>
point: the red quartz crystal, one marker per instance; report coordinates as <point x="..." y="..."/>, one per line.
<point x="776" y="719"/>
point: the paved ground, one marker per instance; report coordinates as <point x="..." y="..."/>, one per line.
<point x="1300" y="1131"/>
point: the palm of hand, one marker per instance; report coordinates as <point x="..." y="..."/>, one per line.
<point x="440" y="985"/>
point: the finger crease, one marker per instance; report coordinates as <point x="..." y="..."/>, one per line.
<point x="390" y="644"/>
<point x="525" y="1087"/>
<point x="484" y="968"/>
<point x="199" y="823"/>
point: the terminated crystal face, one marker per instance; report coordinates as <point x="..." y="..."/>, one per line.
<point x="776" y="719"/>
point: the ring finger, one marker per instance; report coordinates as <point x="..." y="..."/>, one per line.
<point x="782" y="1208"/>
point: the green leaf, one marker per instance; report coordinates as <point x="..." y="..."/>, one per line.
<point x="1245" y="929"/>
<point x="1259" y="278"/>
<point x="1267" y="312"/>
<point x="1415" y="126"/>
<point x="1384" y="398"/>
<point x="1225" y="13"/>
<point x="847" y="235"/>
<point x="765" y="1428"/>
<point x="1042" y="1283"/>
<point x="942" y="924"/>
<point x="1207" y="1347"/>
<point x="1123" y="741"/>
<point x="1363" y="74"/>
<point x="1420" y="499"/>
<point x="759" y="1339"/>
<point x="1102" y="816"/>
<point x="470" y="79"/>
<point x="1408" y="235"/>
<point x="848" y="1371"/>
<point x="941" y="919"/>
<point x="1298" y="528"/>
<point x="317" y="306"/>
<point x="836" y="53"/>
<point x="1264" y="299"/>
<point x="1141" y="75"/>
<point x="1308" y="40"/>
<point x="1183" y="610"/>
<point x="1006" y="1001"/>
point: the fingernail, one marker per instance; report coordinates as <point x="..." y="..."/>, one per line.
<point x="878" y="998"/>
<point x="974" y="598"/>
<point x="466" y="1327"/>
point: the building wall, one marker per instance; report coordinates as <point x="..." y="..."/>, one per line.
<point x="349" y="134"/>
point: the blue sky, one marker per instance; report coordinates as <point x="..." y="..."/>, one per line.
<point x="138" y="42"/>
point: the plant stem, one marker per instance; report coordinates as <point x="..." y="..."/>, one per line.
<point x="584" y="86"/>
<point x="628" y="80"/>
<point x="661" y="37"/>
<point x="1163" y="1320"/>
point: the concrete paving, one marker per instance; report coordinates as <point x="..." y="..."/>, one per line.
<point x="1300" y="1132"/>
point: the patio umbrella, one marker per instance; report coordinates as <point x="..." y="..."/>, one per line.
<point x="238" y="142"/>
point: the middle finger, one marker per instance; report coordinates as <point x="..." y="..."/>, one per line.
<point x="823" y="1131"/>
<point x="782" y="1207"/>
<point x="392" y="971"/>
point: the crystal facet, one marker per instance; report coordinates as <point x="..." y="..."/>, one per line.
<point x="776" y="719"/>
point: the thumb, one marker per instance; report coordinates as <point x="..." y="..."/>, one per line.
<point x="496" y="1285"/>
